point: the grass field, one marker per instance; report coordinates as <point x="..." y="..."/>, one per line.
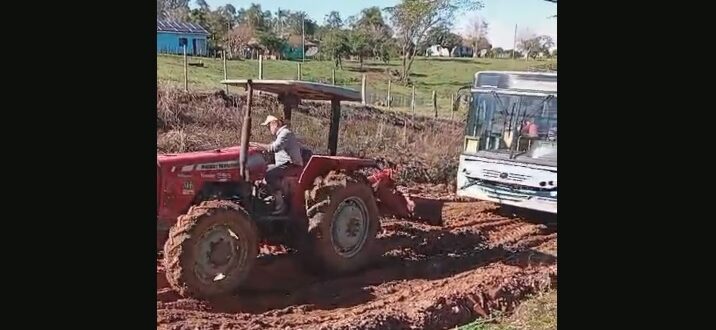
<point x="537" y="313"/>
<point x="443" y="75"/>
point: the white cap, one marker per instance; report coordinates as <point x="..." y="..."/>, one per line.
<point x="268" y="120"/>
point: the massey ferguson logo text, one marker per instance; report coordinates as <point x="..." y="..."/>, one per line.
<point x="218" y="166"/>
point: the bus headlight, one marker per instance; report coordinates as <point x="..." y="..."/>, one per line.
<point x="471" y="144"/>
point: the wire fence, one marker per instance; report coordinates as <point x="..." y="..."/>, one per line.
<point x="386" y="94"/>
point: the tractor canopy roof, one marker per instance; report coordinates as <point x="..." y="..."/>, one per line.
<point x="305" y="90"/>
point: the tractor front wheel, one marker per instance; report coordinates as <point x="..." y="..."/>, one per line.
<point x="343" y="224"/>
<point x="210" y="250"/>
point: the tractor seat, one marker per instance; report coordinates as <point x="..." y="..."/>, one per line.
<point x="290" y="179"/>
<point x="306" y="155"/>
<point x="293" y="171"/>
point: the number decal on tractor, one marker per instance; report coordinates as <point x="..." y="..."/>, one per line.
<point x="188" y="188"/>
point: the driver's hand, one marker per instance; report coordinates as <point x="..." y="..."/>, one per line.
<point x="258" y="145"/>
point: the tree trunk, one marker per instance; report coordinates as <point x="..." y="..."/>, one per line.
<point x="360" y="59"/>
<point x="406" y="71"/>
<point x="405" y="64"/>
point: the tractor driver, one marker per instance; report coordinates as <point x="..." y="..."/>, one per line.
<point x="287" y="156"/>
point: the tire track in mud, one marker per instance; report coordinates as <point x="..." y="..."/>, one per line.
<point x="429" y="277"/>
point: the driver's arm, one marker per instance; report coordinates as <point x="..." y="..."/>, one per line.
<point x="279" y="143"/>
<point x="259" y="145"/>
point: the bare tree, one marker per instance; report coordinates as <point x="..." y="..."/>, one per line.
<point x="239" y="38"/>
<point x="530" y="43"/>
<point x="412" y="19"/>
<point x="476" y="33"/>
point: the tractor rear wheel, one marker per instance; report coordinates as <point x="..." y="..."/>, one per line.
<point x="210" y="250"/>
<point x="343" y="224"/>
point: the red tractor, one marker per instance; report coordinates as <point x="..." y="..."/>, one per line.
<point x="212" y="205"/>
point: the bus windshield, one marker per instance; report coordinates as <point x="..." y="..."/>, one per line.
<point x="495" y="115"/>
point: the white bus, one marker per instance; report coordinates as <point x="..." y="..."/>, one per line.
<point x="510" y="150"/>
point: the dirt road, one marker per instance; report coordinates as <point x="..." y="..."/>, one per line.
<point x="431" y="277"/>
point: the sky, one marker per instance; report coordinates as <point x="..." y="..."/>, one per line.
<point x="501" y="15"/>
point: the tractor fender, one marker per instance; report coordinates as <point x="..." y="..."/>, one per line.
<point x="321" y="165"/>
<point x="214" y="190"/>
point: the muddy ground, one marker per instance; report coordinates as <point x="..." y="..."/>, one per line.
<point x="471" y="263"/>
<point x="477" y="261"/>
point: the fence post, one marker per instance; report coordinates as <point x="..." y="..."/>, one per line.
<point x="452" y="106"/>
<point x="298" y="73"/>
<point x="362" y="90"/>
<point x="435" y="104"/>
<point x="333" y="76"/>
<point x="389" y="99"/>
<point x="261" y="67"/>
<point x="223" y="54"/>
<point x="412" y="105"/>
<point x="186" y="72"/>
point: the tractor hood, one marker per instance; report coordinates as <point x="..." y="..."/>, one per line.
<point x="201" y="157"/>
<point x="211" y="160"/>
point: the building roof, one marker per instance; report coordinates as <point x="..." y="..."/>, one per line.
<point x="295" y="41"/>
<point x="180" y="27"/>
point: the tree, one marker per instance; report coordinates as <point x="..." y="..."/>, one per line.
<point x="202" y="5"/>
<point x="218" y="25"/>
<point x="414" y="18"/>
<point x="198" y="16"/>
<point x="441" y="35"/>
<point x="554" y="52"/>
<point x="255" y="17"/>
<point x="272" y="42"/>
<point x="229" y="13"/>
<point x="279" y="22"/>
<point x="297" y="21"/>
<point x="176" y="10"/>
<point x="333" y="20"/>
<point x="497" y="52"/>
<point x="160" y="9"/>
<point x="371" y="23"/>
<point x="229" y="8"/>
<point x="517" y="54"/>
<point x="531" y="44"/>
<point x="359" y="45"/>
<point x="477" y="34"/>
<point x="335" y="45"/>
<point x="239" y="38"/>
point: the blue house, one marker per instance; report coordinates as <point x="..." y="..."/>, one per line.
<point x="172" y="36"/>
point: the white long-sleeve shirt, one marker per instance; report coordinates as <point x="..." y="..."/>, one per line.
<point x="286" y="148"/>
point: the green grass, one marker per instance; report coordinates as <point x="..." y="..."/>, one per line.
<point x="443" y="75"/>
<point x="536" y="313"/>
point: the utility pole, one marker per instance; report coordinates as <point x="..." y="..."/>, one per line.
<point x="514" y="43"/>
<point x="303" y="38"/>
